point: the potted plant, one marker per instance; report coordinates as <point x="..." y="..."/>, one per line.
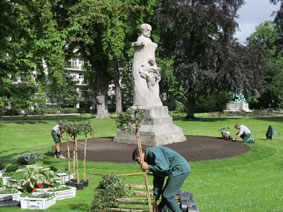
<point x="68" y="129"/>
<point x="5" y="177"/>
<point x="10" y="192"/>
<point x="74" y="129"/>
<point x="86" y="129"/>
<point x="63" y="192"/>
<point x="36" y="174"/>
<point x="14" y="179"/>
<point x="28" y="158"/>
<point x="38" y="201"/>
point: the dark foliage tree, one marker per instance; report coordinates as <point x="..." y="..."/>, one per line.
<point x="206" y="57"/>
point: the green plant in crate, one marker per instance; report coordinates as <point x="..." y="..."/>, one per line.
<point x="9" y="191"/>
<point x="29" y="158"/>
<point x="15" y="175"/>
<point x="36" y="174"/>
<point x="110" y="188"/>
<point x="11" y="168"/>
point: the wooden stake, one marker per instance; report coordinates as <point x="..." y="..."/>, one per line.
<point x="130" y="174"/>
<point x="69" y="158"/>
<point x="127" y="210"/>
<point x="74" y="158"/>
<point x="77" y="160"/>
<point x="138" y="186"/>
<point x="85" y="158"/>
<point x="144" y="173"/>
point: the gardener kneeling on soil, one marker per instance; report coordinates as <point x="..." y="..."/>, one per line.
<point x="162" y="162"/>
<point x="56" y="135"/>
<point x="244" y="133"/>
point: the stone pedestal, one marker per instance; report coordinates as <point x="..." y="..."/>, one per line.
<point x="160" y="130"/>
<point x="237" y="107"/>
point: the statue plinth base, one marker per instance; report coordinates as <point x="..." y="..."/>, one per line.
<point x="160" y="130"/>
<point x="237" y="107"/>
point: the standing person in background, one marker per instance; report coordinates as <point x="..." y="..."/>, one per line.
<point x="56" y="135"/>
<point x="164" y="162"/>
<point x="244" y="133"/>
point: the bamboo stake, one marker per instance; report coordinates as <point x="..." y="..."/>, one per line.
<point x="74" y="158"/>
<point x="132" y="203"/>
<point x="130" y="174"/>
<point x="69" y="158"/>
<point x="138" y="186"/>
<point x="77" y="161"/>
<point x="85" y="157"/>
<point x="129" y="199"/>
<point x="144" y="173"/>
<point x="127" y="210"/>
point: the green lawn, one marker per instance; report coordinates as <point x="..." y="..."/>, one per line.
<point x="251" y="182"/>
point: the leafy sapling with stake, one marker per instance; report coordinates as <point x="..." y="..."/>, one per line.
<point x="131" y="121"/>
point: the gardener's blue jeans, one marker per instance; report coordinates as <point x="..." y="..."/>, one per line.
<point x="246" y="137"/>
<point x="173" y="185"/>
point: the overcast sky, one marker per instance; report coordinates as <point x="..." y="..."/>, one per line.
<point x="251" y="14"/>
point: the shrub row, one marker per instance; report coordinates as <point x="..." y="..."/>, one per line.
<point x="41" y="111"/>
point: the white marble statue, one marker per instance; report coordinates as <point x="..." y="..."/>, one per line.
<point x="145" y="73"/>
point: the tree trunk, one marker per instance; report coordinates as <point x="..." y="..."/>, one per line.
<point x="118" y="91"/>
<point x="101" y="93"/>
<point x="190" y="107"/>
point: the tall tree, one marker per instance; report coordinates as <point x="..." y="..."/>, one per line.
<point x="266" y="37"/>
<point x="32" y="43"/>
<point x="207" y="58"/>
<point x="101" y="31"/>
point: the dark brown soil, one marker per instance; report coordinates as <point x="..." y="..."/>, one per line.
<point x="195" y="148"/>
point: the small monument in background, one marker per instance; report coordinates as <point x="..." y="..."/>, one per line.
<point x="160" y="130"/>
<point x="238" y="104"/>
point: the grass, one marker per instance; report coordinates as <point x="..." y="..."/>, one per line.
<point x="251" y="182"/>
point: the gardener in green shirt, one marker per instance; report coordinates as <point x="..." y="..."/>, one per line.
<point x="162" y="162"/>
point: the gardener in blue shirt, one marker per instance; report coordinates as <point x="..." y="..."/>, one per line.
<point x="162" y="162"/>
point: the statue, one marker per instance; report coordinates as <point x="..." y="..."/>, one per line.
<point x="238" y="98"/>
<point x="159" y="128"/>
<point x="145" y="73"/>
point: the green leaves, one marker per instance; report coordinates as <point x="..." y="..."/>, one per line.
<point x="77" y="128"/>
<point x="109" y="188"/>
<point x="35" y="174"/>
<point x="130" y="120"/>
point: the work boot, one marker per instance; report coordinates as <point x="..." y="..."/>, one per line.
<point x="60" y="156"/>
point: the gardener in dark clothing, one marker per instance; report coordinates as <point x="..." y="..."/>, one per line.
<point x="162" y="162"/>
<point x="56" y="135"/>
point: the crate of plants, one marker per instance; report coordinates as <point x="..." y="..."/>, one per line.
<point x="62" y="177"/>
<point x="63" y="192"/>
<point x="38" y="201"/>
<point x="6" y="192"/>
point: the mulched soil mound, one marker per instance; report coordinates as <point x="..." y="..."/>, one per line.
<point x="195" y="148"/>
